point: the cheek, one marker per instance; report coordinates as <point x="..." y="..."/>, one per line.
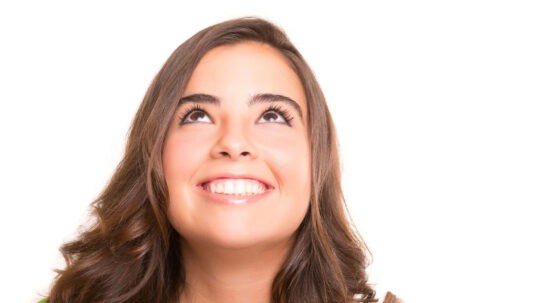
<point x="288" y="156"/>
<point x="182" y="154"/>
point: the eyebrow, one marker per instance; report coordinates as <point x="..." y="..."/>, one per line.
<point x="255" y="99"/>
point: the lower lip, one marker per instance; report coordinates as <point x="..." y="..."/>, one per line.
<point x="232" y="199"/>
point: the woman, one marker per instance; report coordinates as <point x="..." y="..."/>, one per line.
<point x="229" y="190"/>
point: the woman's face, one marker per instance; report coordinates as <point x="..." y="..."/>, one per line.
<point x="238" y="167"/>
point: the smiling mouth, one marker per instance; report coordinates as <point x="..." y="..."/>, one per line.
<point x="235" y="187"/>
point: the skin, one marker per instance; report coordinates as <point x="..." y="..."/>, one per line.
<point x="233" y="252"/>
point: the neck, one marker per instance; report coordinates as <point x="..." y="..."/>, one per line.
<point x="225" y="275"/>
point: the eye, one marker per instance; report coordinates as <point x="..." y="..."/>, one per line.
<point x="272" y="116"/>
<point x="275" y="114"/>
<point x="194" y="115"/>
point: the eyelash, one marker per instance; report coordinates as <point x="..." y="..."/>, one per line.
<point x="188" y="111"/>
<point x="287" y="116"/>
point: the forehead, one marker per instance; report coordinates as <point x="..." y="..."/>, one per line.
<point x="238" y="71"/>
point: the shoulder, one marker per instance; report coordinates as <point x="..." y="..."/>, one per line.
<point x="391" y="298"/>
<point x="44" y="300"/>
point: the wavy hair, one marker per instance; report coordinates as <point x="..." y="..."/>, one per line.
<point x="131" y="253"/>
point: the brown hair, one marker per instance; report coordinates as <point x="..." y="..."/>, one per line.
<point x="132" y="254"/>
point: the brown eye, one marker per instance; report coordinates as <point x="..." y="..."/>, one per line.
<point x="276" y="114"/>
<point x="196" y="116"/>
<point x="270" y="116"/>
<point x="273" y="116"/>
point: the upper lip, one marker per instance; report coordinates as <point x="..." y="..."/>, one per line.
<point x="237" y="176"/>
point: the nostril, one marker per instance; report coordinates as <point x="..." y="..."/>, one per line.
<point x="229" y="154"/>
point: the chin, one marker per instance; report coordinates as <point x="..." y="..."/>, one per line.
<point x="224" y="237"/>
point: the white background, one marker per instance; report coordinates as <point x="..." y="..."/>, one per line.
<point x="435" y="103"/>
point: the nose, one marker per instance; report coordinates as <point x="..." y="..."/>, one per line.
<point x="234" y="143"/>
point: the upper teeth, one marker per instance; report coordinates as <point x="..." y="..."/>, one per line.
<point x="240" y="187"/>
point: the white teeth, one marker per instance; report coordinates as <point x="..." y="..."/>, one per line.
<point x="240" y="187"/>
<point x="220" y="188"/>
<point x="229" y="187"/>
